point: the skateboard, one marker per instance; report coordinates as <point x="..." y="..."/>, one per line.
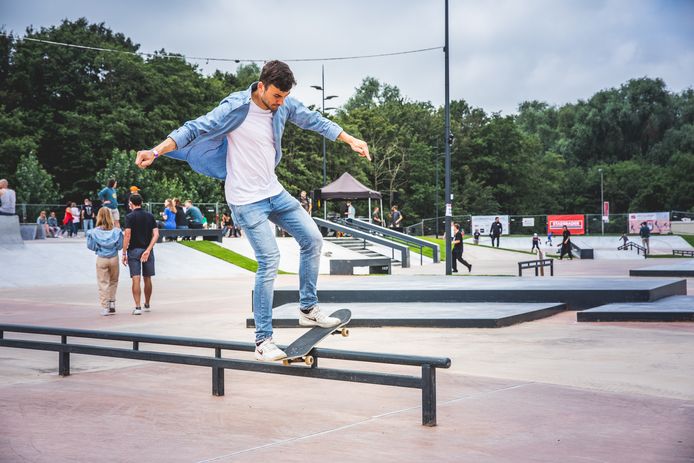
<point x="299" y="350"/>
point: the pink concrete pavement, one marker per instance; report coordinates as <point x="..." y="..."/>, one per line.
<point x="548" y="391"/>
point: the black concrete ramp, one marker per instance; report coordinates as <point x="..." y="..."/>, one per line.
<point x="684" y="269"/>
<point x="425" y="314"/>
<point x="669" y="309"/>
<point x="578" y="293"/>
<point x="10" y="234"/>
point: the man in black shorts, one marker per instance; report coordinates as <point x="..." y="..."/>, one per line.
<point x="140" y="235"/>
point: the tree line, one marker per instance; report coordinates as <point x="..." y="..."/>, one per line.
<point x="72" y="118"/>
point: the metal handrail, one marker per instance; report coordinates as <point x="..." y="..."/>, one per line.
<point x="404" y="250"/>
<point x="397" y="236"/>
<point x="426" y="381"/>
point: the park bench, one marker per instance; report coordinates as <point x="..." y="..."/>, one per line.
<point x="376" y="265"/>
<point x="538" y="264"/>
<point x="207" y="234"/>
<point x="683" y="252"/>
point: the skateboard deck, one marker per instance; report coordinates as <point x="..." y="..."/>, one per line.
<point x="298" y="351"/>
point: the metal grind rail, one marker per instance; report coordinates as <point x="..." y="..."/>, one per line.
<point x="426" y="381"/>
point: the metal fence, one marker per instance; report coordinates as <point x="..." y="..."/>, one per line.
<point x="28" y="213"/>
<point x="617" y="224"/>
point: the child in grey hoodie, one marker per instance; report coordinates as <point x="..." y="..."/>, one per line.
<point x="106" y="241"/>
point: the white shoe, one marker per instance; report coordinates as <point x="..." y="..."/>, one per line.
<point x="317" y="318"/>
<point x="268" y="351"/>
<point x="137" y="311"/>
<point x="105" y="312"/>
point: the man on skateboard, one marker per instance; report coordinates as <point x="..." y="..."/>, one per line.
<point x="240" y="142"/>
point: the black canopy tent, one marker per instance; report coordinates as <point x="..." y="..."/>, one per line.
<point x="347" y="187"/>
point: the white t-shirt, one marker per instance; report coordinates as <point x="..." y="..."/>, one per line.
<point x="251" y="159"/>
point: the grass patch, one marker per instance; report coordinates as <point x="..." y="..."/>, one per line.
<point x="688" y="238"/>
<point x="227" y="255"/>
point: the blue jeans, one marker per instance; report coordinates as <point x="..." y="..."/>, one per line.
<point x="285" y="211"/>
<point x="87" y="224"/>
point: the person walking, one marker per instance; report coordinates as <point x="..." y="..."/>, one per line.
<point x="566" y="244"/>
<point x="240" y="142"/>
<point x="495" y="231"/>
<point x="476" y="236"/>
<point x="458" y="249"/>
<point x="87" y="215"/>
<point x="141" y="234"/>
<point x="109" y="199"/>
<point x="8" y="198"/>
<point x="549" y="238"/>
<point x="106" y="240"/>
<point x="645" y="234"/>
<point x="536" y="243"/>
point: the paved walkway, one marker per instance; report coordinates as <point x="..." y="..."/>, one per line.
<point x="547" y="391"/>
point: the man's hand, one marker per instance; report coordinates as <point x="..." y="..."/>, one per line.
<point x="145" y="256"/>
<point x="356" y="144"/>
<point x="125" y="259"/>
<point x="144" y="159"/>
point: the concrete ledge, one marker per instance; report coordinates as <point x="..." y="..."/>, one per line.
<point x="425" y="315"/>
<point x="10" y="234"/>
<point x="670" y="309"/>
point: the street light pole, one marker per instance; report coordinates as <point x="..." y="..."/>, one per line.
<point x="447" y="140"/>
<point x="602" y="206"/>
<point x="321" y="87"/>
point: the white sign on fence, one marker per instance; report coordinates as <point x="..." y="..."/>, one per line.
<point x="528" y="221"/>
<point x="483" y="223"/>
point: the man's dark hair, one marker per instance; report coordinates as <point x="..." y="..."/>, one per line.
<point x="111" y="182"/>
<point x="278" y="74"/>
<point x="136" y="200"/>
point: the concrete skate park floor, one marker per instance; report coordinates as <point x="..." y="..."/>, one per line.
<point x="550" y="390"/>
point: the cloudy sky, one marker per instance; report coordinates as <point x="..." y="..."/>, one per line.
<point x="503" y="52"/>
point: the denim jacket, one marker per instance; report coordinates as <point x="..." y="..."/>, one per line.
<point x="202" y="142"/>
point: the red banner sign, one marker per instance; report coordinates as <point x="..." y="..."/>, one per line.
<point x="576" y="224"/>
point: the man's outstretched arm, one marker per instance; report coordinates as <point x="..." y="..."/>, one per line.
<point x="146" y="157"/>
<point x="356" y="144"/>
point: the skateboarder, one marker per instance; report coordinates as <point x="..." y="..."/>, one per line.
<point x="240" y="142"/>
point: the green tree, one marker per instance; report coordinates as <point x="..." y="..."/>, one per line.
<point x="33" y="184"/>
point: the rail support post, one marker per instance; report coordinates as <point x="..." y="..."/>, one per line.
<point x="428" y="395"/>
<point x="63" y="360"/>
<point x="217" y="376"/>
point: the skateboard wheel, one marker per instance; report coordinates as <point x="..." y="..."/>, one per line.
<point x="308" y="360"/>
<point x="344" y="332"/>
<point x="285" y="362"/>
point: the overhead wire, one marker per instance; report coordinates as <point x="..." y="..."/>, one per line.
<point x="207" y="59"/>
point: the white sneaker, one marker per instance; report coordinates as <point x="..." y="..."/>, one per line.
<point x="137" y="311"/>
<point x="267" y="351"/>
<point x="147" y="308"/>
<point x="105" y="312"/>
<point x="317" y="318"/>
